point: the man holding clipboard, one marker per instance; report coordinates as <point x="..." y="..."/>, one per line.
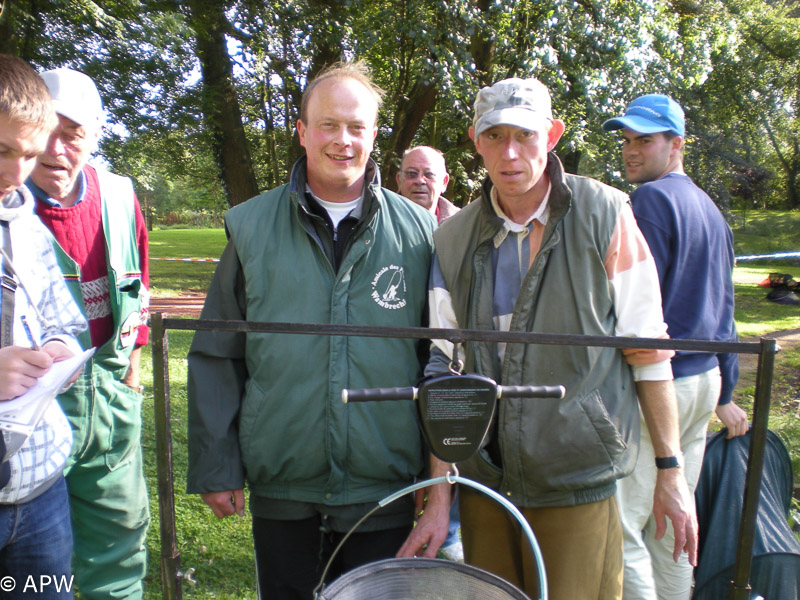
<point x="36" y="311"/>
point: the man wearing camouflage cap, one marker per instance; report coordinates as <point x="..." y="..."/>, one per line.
<point x="549" y="252"/>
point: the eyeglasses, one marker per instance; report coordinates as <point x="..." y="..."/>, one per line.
<point x="412" y="174"/>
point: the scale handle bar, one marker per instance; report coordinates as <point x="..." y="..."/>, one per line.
<point x="379" y="394"/>
<point x="530" y="391"/>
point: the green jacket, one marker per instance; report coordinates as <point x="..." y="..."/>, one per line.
<point x="267" y="407"/>
<point x="554" y="452"/>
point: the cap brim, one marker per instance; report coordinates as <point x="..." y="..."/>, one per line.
<point x="515" y="116"/>
<point x="638" y="124"/>
<point x="84" y="118"/>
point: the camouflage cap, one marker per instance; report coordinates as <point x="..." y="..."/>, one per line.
<point x="519" y="102"/>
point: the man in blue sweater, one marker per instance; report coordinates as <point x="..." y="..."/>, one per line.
<point x="693" y="249"/>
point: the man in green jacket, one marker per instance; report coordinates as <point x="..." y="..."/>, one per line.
<point x="549" y="252"/>
<point x="331" y="246"/>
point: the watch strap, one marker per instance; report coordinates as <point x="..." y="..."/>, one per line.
<point x="669" y="462"/>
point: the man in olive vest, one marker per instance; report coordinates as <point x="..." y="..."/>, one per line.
<point x="545" y="251"/>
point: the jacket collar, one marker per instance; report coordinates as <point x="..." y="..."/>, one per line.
<point x="299" y="178"/>
<point x="17" y="204"/>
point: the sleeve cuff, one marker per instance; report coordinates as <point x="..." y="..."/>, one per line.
<point x="660" y="371"/>
<point x="69" y="341"/>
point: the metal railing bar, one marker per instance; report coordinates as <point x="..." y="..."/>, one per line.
<point x="170" y="557"/>
<point x="740" y="586"/>
<point x="462" y="335"/>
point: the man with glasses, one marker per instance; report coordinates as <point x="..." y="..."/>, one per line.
<point x="423" y="179"/>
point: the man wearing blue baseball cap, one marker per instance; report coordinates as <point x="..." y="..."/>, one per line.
<point x="693" y="249"/>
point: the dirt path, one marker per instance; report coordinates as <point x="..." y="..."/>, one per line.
<point x="187" y="305"/>
<point x="788" y="339"/>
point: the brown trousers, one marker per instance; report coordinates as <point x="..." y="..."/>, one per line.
<point x="581" y="546"/>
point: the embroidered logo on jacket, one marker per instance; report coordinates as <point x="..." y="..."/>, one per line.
<point x="389" y="287"/>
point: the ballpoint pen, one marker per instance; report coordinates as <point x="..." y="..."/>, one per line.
<point x="27" y="329"/>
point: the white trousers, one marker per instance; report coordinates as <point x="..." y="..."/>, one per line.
<point x="650" y="572"/>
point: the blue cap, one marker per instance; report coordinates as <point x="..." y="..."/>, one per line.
<point x="653" y="113"/>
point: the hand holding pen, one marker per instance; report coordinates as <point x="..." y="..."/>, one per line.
<point x="26" y="327"/>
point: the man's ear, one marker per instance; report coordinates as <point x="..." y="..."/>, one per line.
<point x="445" y="180"/>
<point x="555" y="133"/>
<point x="301" y="132"/>
<point x="475" y="140"/>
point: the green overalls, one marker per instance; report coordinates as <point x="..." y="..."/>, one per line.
<point x="108" y="497"/>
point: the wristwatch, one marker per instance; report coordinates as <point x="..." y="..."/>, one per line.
<point x="670" y="462"/>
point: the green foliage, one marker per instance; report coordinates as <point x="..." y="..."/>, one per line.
<point x="744" y="118"/>
<point x="171" y="173"/>
<point x="731" y="64"/>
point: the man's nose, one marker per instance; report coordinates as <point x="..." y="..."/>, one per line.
<point x="343" y="137"/>
<point x="55" y="145"/>
<point x="510" y="149"/>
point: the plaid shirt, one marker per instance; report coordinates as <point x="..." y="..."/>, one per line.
<point x="44" y="454"/>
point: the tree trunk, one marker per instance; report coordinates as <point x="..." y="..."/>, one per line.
<point x="20" y="26"/>
<point x="221" y="110"/>
<point x="407" y="119"/>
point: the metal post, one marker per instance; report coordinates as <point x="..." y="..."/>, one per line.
<point x="170" y="557"/>
<point x="740" y="586"/>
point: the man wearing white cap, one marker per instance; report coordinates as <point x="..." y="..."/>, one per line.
<point x="101" y="237"/>
<point x="693" y="249"/>
<point x="549" y="252"/>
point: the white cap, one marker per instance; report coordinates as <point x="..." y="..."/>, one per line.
<point x="519" y="102"/>
<point x="75" y="96"/>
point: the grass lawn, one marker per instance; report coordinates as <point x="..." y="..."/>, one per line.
<point x="172" y="278"/>
<point x="221" y="551"/>
<point x="755" y="315"/>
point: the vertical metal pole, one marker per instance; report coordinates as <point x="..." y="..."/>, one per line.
<point x="740" y="586"/>
<point x="170" y="558"/>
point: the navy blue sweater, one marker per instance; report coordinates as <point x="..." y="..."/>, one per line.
<point x="693" y="248"/>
